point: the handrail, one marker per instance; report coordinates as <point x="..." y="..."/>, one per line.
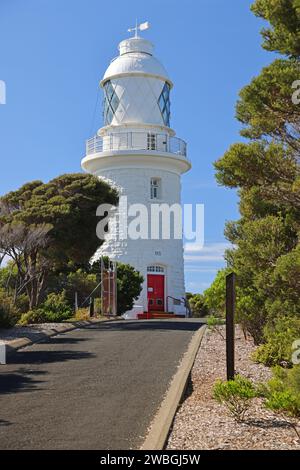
<point x="136" y="141"/>
<point x="182" y="301"/>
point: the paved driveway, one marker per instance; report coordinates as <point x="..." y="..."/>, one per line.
<point x="92" y="388"/>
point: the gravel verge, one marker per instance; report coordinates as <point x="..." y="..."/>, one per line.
<point x="202" y="423"/>
<point x="32" y="332"/>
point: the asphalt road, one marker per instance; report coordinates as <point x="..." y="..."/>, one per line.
<point x="92" y="388"/>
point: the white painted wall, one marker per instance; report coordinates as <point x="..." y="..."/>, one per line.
<point x="135" y="184"/>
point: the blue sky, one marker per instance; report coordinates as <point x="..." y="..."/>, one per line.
<point x="53" y="54"/>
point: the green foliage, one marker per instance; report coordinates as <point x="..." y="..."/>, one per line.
<point x="265" y="170"/>
<point x="282" y="392"/>
<point x="36" y="315"/>
<point x="215" y="295"/>
<point x="265" y="106"/>
<point x="54" y="309"/>
<point x="213" y="323"/>
<point x="82" y="314"/>
<point x="235" y="395"/>
<point x="279" y="334"/>
<point x="129" y="286"/>
<point x="9" y="277"/>
<point x="44" y="227"/>
<point x="9" y="314"/>
<point x="284" y="17"/>
<point x="197" y="305"/>
<point x="68" y="204"/>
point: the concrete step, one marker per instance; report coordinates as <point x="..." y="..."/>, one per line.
<point x="157" y="315"/>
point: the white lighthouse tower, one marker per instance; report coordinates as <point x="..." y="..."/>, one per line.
<point x="137" y="152"/>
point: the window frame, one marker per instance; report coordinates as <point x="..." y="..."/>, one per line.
<point x="155" y="188"/>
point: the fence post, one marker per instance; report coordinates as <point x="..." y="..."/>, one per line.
<point x="230" y="309"/>
<point x="76" y="301"/>
<point x="91" y="307"/>
<point x="2" y="353"/>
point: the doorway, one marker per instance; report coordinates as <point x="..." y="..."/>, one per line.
<point x="156" y="292"/>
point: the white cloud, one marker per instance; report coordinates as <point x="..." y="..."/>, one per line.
<point x="200" y="269"/>
<point x="210" y="252"/>
<point x="196" y="286"/>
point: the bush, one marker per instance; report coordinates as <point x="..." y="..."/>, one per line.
<point x="197" y="305"/>
<point x="97" y="305"/>
<point x="213" y="323"/>
<point x="282" y="392"/>
<point x="279" y="336"/>
<point x="54" y="309"/>
<point x="82" y="314"/>
<point x="235" y="395"/>
<point x="36" y="315"/>
<point x="215" y="295"/>
<point x="9" y="314"/>
<point x="22" y="303"/>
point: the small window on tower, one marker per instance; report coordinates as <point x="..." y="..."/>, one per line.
<point x="155" y="188"/>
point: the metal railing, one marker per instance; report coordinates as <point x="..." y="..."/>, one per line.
<point x="179" y="302"/>
<point x="136" y="141"/>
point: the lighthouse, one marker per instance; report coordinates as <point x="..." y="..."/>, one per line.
<point x="137" y="152"/>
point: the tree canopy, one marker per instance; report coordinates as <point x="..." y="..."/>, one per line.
<point x="46" y="226"/>
<point x="265" y="170"/>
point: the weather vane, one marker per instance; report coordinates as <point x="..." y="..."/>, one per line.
<point x="140" y="27"/>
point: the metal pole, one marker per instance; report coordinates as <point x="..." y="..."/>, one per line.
<point x="230" y="309"/>
<point x="109" y="293"/>
<point x="76" y="301"/>
<point x="115" y="289"/>
<point x="91" y="307"/>
<point x="102" y="285"/>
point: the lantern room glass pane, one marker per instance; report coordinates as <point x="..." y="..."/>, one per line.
<point x="164" y="104"/>
<point x="111" y="103"/>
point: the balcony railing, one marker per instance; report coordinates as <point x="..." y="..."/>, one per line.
<point x="136" y="141"/>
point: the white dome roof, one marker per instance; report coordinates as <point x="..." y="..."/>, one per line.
<point x="136" y="58"/>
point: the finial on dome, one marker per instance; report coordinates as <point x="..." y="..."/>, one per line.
<point x="140" y="27"/>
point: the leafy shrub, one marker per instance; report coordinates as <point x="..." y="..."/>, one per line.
<point x="36" y="315"/>
<point x="54" y="309"/>
<point x="213" y="323"/>
<point x="197" y="305"/>
<point x="235" y="395"/>
<point x="82" y="314"/>
<point x="97" y="305"/>
<point x="215" y="295"/>
<point x="279" y="336"/>
<point x="9" y="314"/>
<point x="22" y="303"/>
<point x="282" y="392"/>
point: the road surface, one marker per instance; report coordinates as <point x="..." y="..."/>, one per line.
<point x="92" y="388"/>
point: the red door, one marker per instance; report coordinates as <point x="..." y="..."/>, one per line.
<point x="156" y="292"/>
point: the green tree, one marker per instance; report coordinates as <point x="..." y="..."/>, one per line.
<point x="265" y="170"/>
<point x="215" y="295"/>
<point x="197" y="305"/>
<point x="129" y="287"/>
<point x="45" y="226"/>
<point x="129" y="283"/>
<point x="283" y="35"/>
